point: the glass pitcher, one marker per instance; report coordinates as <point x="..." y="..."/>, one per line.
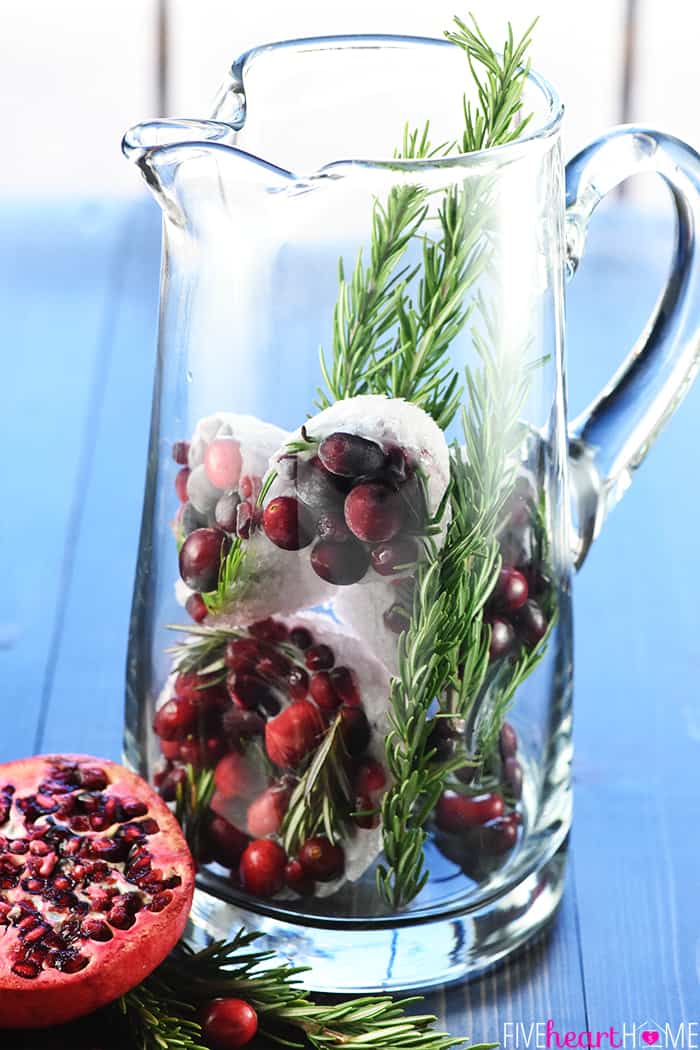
<point x="350" y="661"/>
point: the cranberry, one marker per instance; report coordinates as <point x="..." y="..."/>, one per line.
<point x="455" y="812"/>
<point x="339" y="563"/>
<point x="266" y="813"/>
<point x="168" y="781"/>
<point x="170" y="749"/>
<point x="513" y="775"/>
<point x="298" y="683"/>
<point x="240" y="725"/>
<point x="181" y="484"/>
<point x="300" y="637"/>
<point x="245" y="519"/>
<point x="272" y="664"/>
<point x="508" y="740"/>
<point x="322" y="691"/>
<point x="350" y="455"/>
<point x="355" y="729"/>
<point x="374" y="512"/>
<point x="235" y="778"/>
<point x="511" y="590"/>
<point x="190" y="519"/>
<point x="222" y="462"/>
<point x="397" y="466"/>
<point x="331" y="526"/>
<point x="262" y="867"/>
<point x="175" y="717"/>
<point x="370" y="777"/>
<point x="316" y="488"/>
<point x="250" y="692"/>
<point x="319" y="658"/>
<point x="395" y="556"/>
<point x="396" y="619"/>
<point x="345" y="684"/>
<point x="269" y="630"/>
<point x="531" y="623"/>
<point x="287" y="523"/>
<point x="192" y="686"/>
<point x="225" y="842"/>
<point x="499" y="835"/>
<point x="226" y="511"/>
<point x="200" y="558"/>
<point x="297" y="879"/>
<point x="241" y="654"/>
<point x="181" y="451"/>
<point x="203" y="753"/>
<point x="321" y="859"/>
<point x="293" y="733"/>
<point x="196" y="608"/>
<point x="365" y="814"/>
<point x="228" y="1023"/>
<point x="502" y="638"/>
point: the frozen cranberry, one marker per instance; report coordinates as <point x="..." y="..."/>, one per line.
<point x="245" y="519"/>
<point x="396" y="466"/>
<point x="262" y="867"/>
<point x="170" y="749"/>
<point x="455" y="812"/>
<point x="300" y="637"/>
<point x="319" y="658"/>
<point x="297" y="879"/>
<point x="298" y="683"/>
<point x="321" y="859"/>
<point x="200" y="558"/>
<point x="241" y="654"/>
<point x="226" y="511"/>
<point x="531" y="623"/>
<point x="355" y="729"/>
<point x="181" y="484"/>
<point x="316" y="488"/>
<point x="181" y="451"/>
<point x="240" y="725"/>
<point x="507" y="740"/>
<point x="513" y="775"/>
<point x="350" y="455"/>
<point x="250" y="692"/>
<point x="339" y="563"/>
<point x="235" y="777"/>
<point x="273" y="664"/>
<point x="370" y="777"/>
<point x="199" y="689"/>
<point x="396" y="619"/>
<point x="331" y="526"/>
<point x="175" y="717"/>
<point x="322" y="691"/>
<point x="266" y="813"/>
<point x="499" y="835"/>
<point x="167" y="782"/>
<point x="287" y="523"/>
<point x="225" y="842"/>
<point x="345" y="684"/>
<point x="222" y="462"/>
<point x="511" y="591"/>
<point x="228" y="1023"/>
<point x="374" y="512"/>
<point x="502" y="638"/>
<point x="269" y="630"/>
<point x="196" y="608"/>
<point x="394" y="556"/>
<point x="365" y="815"/>
<point x="293" y="733"/>
<point x="202" y="753"/>
<point x="190" y="519"/>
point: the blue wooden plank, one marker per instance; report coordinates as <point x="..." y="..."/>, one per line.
<point x="57" y="266"/>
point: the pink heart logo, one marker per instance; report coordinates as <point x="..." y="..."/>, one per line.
<point x="650" y="1038"/>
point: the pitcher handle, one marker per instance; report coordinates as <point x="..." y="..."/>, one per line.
<point x="609" y="440"/>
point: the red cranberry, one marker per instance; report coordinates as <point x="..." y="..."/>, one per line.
<point x="322" y="691"/>
<point x="225" y="842"/>
<point x="370" y="777"/>
<point x="240" y="725"/>
<point x="250" y="692"/>
<point x="228" y="1023"/>
<point x="500" y="835"/>
<point x="181" y="451"/>
<point x="235" y="777"/>
<point x="365" y="815"/>
<point x="200" y="558"/>
<point x="266" y="813"/>
<point x="513" y="775"/>
<point x="222" y="462"/>
<point x="226" y="511"/>
<point x="269" y="630"/>
<point x="396" y="619"/>
<point x="203" y="753"/>
<point x="374" y="512"/>
<point x="192" y="686"/>
<point x="316" y="488"/>
<point x="196" y="608"/>
<point x="339" y="563"/>
<point x="175" y="717"/>
<point x="241" y="654"/>
<point x="181" y="484"/>
<point x="293" y="733"/>
<point x="319" y="658"/>
<point x="245" y="519"/>
<point x="531" y="623"/>
<point x="331" y="526"/>
<point x="262" y="867"/>
<point x="345" y="684"/>
<point x="298" y="683"/>
<point x="511" y="590"/>
<point x="507" y="740"/>
<point x="168" y="781"/>
<point x="322" y="860"/>
<point x="502" y="637"/>
<point x="272" y="663"/>
<point x="456" y="812"/>
<point x="355" y="729"/>
<point x="287" y="523"/>
<point x="297" y="879"/>
<point x="394" y="556"/>
<point x="350" y="455"/>
<point x="300" y="637"/>
<point x="170" y="749"/>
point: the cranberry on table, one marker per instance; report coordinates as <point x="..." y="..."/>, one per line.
<point x="222" y="462"/>
<point x="200" y="558"/>
<point x="321" y="859"/>
<point x="228" y="1023"/>
<point x="394" y="556"/>
<point x="374" y="512"/>
<point x="319" y="657"/>
<point x="340" y="563"/>
<point x="287" y="523"/>
<point x="322" y="691"/>
<point x="455" y="812"/>
<point x="350" y="455"/>
<point x="180" y="452"/>
<point x="196" y="607"/>
<point x="297" y="879"/>
<point x="502" y="637"/>
<point x="531" y="623"/>
<point x="511" y="591"/>
<point x="293" y="733"/>
<point x="262" y="867"/>
<point x="181" y="484"/>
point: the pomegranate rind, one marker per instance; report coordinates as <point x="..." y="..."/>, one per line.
<point x="115" y="966"/>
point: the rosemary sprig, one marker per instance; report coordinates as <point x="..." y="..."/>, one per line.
<point x="192" y="800"/>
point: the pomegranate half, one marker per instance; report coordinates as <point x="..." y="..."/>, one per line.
<point x="96" y="884"/>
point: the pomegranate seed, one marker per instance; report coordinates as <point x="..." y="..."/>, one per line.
<point x="97" y="930"/>
<point x="181" y="450"/>
<point x="26" y="969"/>
<point x="269" y="630"/>
<point x="319" y="658"/>
<point x="531" y="623"/>
<point x="200" y="557"/>
<point x="321" y="859"/>
<point x="511" y="590"/>
<point x="181" y="484"/>
<point x="344" y="682"/>
<point x="262" y="867"/>
<point x="455" y="812"/>
<point x="222" y="462"/>
<point x="226" y="512"/>
<point x="293" y="733"/>
<point x="266" y="813"/>
<point x="296" y="879"/>
<point x="120" y="917"/>
<point x="339" y="563"/>
<point x="350" y="455"/>
<point x="374" y="512"/>
<point x="38" y="848"/>
<point x="507" y="741"/>
<point x="395" y="556"/>
<point x="355" y="729"/>
<point x="228" y="1023"/>
<point x="226" y="843"/>
<point x="160" y="901"/>
<point x="300" y="637"/>
<point x="322" y="691"/>
<point x="287" y="523"/>
<point x="196" y="608"/>
<point x="370" y="777"/>
<point x="249" y="692"/>
<point x="298" y="683"/>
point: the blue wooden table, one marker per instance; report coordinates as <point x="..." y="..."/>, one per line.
<point x="78" y="308"/>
